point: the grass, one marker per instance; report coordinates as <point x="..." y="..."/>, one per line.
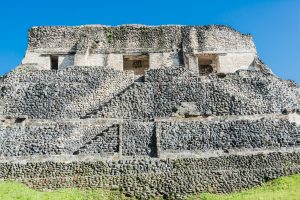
<point x="19" y="191"/>
<point x="286" y="188"/>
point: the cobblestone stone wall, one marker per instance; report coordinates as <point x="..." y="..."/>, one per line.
<point x="145" y="178"/>
<point x="241" y="93"/>
<point x="139" y="138"/>
<point x="226" y="135"/>
<point x="35" y="137"/>
<point x="63" y="94"/>
<point x="104" y="39"/>
<point x="181" y="137"/>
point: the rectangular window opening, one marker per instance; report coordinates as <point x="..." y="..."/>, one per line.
<point x="207" y="64"/>
<point x="136" y="63"/>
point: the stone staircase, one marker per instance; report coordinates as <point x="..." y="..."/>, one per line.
<point x="106" y="91"/>
<point x="106" y="141"/>
<point x="116" y="98"/>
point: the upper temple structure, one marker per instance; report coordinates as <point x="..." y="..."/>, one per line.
<point x="148" y="110"/>
<point x="202" y="49"/>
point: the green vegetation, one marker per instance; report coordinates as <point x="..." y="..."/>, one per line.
<point x="18" y="191"/>
<point x="286" y="188"/>
<point x="109" y="35"/>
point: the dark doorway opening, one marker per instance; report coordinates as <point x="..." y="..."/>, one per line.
<point x="20" y="119"/>
<point x="54" y="62"/>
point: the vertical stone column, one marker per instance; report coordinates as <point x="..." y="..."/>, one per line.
<point x="193" y="63"/>
<point x="157" y="134"/>
<point x="115" y="60"/>
<point x="80" y="59"/>
<point x="1" y="106"/>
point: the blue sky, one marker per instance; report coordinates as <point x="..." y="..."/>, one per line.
<point x="275" y="24"/>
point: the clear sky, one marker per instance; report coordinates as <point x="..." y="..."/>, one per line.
<point x="275" y="24"/>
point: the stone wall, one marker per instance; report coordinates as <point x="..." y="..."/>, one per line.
<point x="215" y="39"/>
<point x="174" y="136"/>
<point x="102" y="39"/>
<point x="105" y="92"/>
<point x="184" y="136"/>
<point x="44" y="137"/>
<point x="231" y="62"/>
<point x="219" y="154"/>
<point x="65" y="61"/>
<point x="139" y="139"/>
<point x="103" y="142"/>
<point x="63" y="94"/>
<point x="107" y="137"/>
<point x="2" y="103"/>
<point x="165" y="59"/>
<point x="145" y="178"/>
<point x="241" y="93"/>
<point x="37" y="58"/>
<point x="136" y="37"/>
<point x="53" y="37"/>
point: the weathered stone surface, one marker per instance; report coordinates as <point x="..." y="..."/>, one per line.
<point x="186" y="109"/>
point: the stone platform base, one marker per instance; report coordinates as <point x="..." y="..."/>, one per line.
<point x="145" y="178"/>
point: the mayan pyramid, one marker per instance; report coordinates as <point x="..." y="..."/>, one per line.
<point x="147" y="110"/>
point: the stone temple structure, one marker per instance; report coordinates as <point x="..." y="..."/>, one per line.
<point x="148" y="110"/>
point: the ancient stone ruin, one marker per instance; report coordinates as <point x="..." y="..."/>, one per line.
<point x="148" y="110"/>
